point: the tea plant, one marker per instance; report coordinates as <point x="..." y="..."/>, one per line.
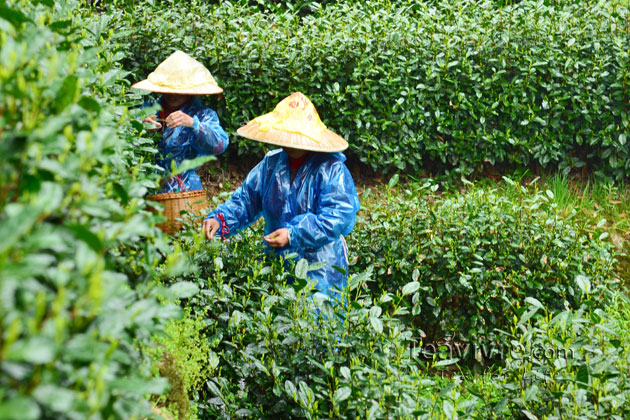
<point x="468" y="261"/>
<point x="451" y="84"/>
<point x="79" y="252"/>
<point x="277" y="353"/>
<point x="428" y="267"/>
<point x="92" y="293"/>
<point x="573" y="364"/>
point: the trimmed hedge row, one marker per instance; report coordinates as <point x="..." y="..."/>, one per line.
<point x="461" y="84"/>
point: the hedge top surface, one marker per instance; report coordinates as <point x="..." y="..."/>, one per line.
<point x="421" y="85"/>
<point x="294" y="123"/>
<point x="180" y="74"/>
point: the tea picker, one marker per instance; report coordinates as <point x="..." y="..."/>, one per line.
<point x="303" y="190"/>
<point x="188" y="128"/>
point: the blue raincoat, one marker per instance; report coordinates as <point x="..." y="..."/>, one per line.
<point x="205" y="137"/>
<point x="318" y="208"/>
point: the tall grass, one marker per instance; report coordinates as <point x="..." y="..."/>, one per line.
<point x="589" y="202"/>
<point x="594" y="200"/>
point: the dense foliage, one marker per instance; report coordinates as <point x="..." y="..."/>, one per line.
<point x="79" y="253"/>
<point x="92" y="293"/>
<point x="274" y="355"/>
<point x="473" y="259"/>
<point x="580" y="369"/>
<point x="459" y="84"/>
<point x="437" y="280"/>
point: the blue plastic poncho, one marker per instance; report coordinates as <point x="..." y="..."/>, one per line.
<point x="205" y="137"/>
<point x="318" y="208"/>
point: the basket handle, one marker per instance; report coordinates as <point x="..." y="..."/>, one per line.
<point x="181" y="183"/>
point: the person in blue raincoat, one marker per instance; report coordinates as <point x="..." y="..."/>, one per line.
<point x="189" y="129"/>
<point x="304" y="191"/>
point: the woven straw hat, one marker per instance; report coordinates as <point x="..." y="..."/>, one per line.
<point x="180" y="74"/>
<point x="294" y="123"/>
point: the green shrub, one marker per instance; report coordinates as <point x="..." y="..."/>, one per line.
<point x="470" y="260"/>
<point x="456" y="265"/>
<point x="183" y="356"/>
<point x="574" y="364"/>
<point x="78" y="250"/>
<point x="277" y="359"/>
<point x="457" y="84"/>
<point x="417" y="253"/>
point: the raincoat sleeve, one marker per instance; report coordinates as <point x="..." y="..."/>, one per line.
<point x="335" y="212"/>
<point x="209" y="138"/>
<point x="245" y="205"/>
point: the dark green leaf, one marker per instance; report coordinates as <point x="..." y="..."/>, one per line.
<point x="67" y="93"/>
<point x="82" y="233"/>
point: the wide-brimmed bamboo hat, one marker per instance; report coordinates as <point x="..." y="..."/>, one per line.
<point x="294" y="123"/>
<point x="180" y="74"/>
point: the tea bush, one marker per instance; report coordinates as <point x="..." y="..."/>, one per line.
<point x="469" y="261"/>
<point x="574" y="364"/>
<point x="274" y="357"/>
<point x="86" y="279"/>
<point x="458" y="265"/>
<point x="454" y="84"/>
<point x="79" y="251"/>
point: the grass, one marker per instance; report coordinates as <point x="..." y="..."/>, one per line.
<point x="594" y="202"/>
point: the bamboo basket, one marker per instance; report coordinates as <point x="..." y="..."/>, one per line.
<point x="174" y="203"/>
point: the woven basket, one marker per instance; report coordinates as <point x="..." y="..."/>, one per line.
<point x="174" y="203"/>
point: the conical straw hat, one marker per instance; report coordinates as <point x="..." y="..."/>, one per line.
<point x="294" y="123"/>
<point x="181" y="74"/>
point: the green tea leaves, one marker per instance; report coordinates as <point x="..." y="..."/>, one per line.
<point x="67" y="92"/>
<point x="184" y="289"/>
<point x="583" y="283"/>
<point x="20" y="408"/>
<point x="342" y="394"/>
<point x="410" y="288"/>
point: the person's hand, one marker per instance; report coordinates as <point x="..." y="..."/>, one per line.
<point x="210" y="227"/>
<point x="278" y="238"/>
<point x="151" y="120"/>
<point x="177" y="119"/>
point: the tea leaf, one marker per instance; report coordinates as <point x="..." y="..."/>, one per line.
<point x="301" y="269"/>
<point x="583" y="283"/>
<point x="342" y="394"/>
<point x="184" y="289"/>
<point x="189" y="164"/>
<point x="410" y="288"/>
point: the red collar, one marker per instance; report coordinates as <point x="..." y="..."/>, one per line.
<point x="165" y="111"/>
<point x="294" y="164"/>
